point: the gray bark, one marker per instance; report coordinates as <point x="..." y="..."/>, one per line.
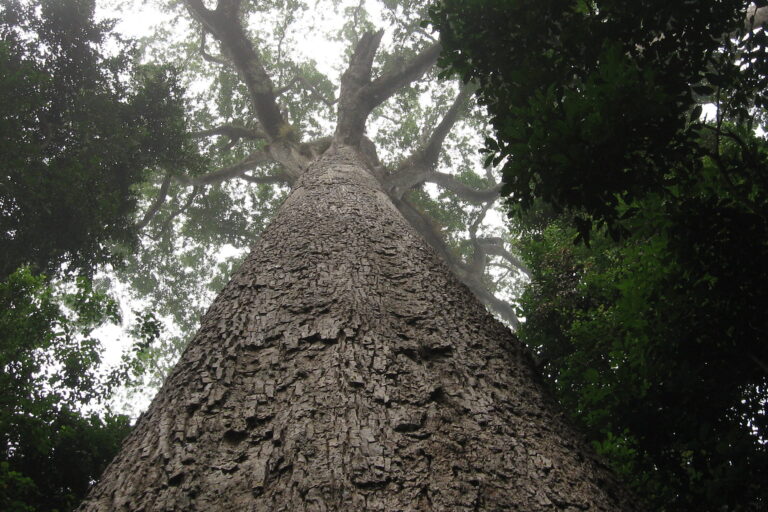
<point x="345" y="368"/>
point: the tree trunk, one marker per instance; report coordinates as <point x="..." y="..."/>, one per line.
<point x="345" y="368"/>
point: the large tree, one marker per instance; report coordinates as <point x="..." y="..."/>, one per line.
<point x="348" y="365"/>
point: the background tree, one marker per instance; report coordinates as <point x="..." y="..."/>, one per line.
<point x="654" y="336"/>
<point x="53" y="449"/>
<point x="78" y="130"/>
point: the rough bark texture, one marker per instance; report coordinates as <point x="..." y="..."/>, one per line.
<point x="345" y="368"/>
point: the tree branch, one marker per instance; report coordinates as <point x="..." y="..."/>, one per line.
<point x="352" y="109"/>
<point x="463" y="272"/>
<point x="416" y="168"/>
<point x="224" y="24"/>
<point x="495" y="247"/>
<point x="756" y="17"/>
<point x="162" y="194"/>
<point x="307" y="87"/>
<point x="234" y="132"/>
<point x="204" y="53"/>
<point x="464" y="191"/>
<point x="279" y="177"/>
<point x="381" y="89"/>
<point x="178" y="211"/>
<point x="359" y="95"/>
<point x="232" y="171"/>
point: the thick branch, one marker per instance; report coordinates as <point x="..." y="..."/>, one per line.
<point x="352" y="109"/>
<point x="479" y="259"/>
<point x="431" y="152"/>
<point x="756" y="17"/>
<point x="359" y="95"/>
<point x="416" y="168"/>
<point x="225" y="25"/>
<point x="389" y="83"/>
<point x="277" y="178"/>
<point x="471" y="279"/>
<point x="162" y="194"/>
<point x="495" y="247"/>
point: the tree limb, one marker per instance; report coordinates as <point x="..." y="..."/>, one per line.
<point x="162" y="194"/>
<point x="352" y="109"/>
<point x="224" y="24"/>
<point x="464" y="191"/>
<point x="207" y="56"/>
<point x="279" y="177"/>
<point x="233" y="131"/>
<point x="387" y="84"/>
<point x="178" y="211"/>
<point x="359" y="95"/>
<point x="416" y="168"/>
<point x="463" y="272"/>
<point x="756" y="17"/>
<point x="232" y="171"/>
<point x="495" y="247"/>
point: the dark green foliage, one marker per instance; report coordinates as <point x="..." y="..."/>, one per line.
<point x="663" y="365"/>
<point x="654" y="336"/>
<point x="50" y="451"/>
<point x="591" y="100"/>
<point x="75" y="135"/>
<point x="80" y="128"/>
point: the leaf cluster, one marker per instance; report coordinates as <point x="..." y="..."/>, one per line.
<point x="80" y="130"/>
<point x="50" y="449"/>
<point x="594" y="103"/>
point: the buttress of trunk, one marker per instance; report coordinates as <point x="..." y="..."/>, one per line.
<point x="344" y="368"/>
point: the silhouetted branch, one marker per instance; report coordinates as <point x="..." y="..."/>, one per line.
<point x="156" y="204"/>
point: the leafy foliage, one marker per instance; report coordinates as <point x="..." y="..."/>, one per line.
<point x="77" y="136"/>
<point x="590" y="100"/>
<point x="654" y="337"/>
<point x="51" y="451"/>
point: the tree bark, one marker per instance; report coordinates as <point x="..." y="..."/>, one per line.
<point x="345" y="368"/>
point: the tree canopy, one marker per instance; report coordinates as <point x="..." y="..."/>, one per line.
<point x="80" y="129"/>
<point x="653" y="336"/>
